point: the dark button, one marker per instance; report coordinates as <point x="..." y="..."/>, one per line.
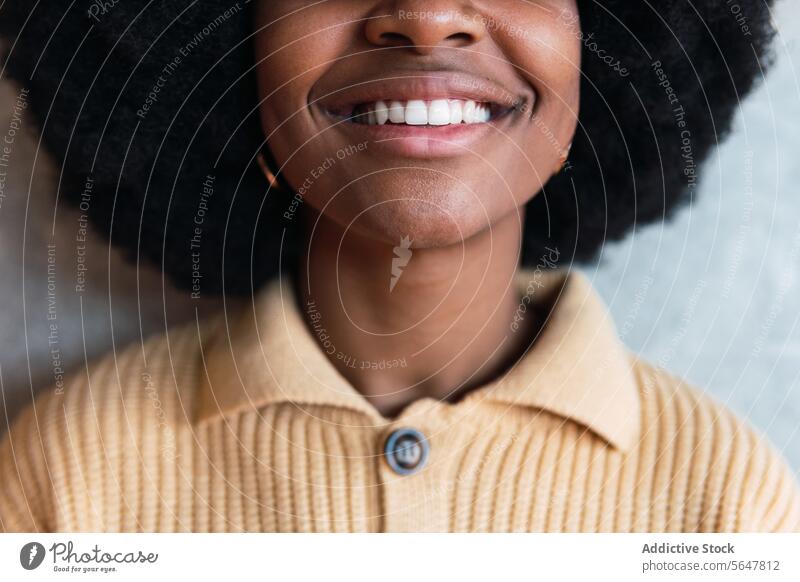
<point x="406" y="451"/>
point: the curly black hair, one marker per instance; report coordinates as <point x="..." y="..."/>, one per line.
<point x="151" y="109"/>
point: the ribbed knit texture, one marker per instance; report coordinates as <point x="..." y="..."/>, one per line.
<point x="122" y="449"/>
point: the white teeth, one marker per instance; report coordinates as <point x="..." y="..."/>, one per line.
<point x="455" y="111"/>
<point x="439" y="112"/>
<point x="468" y="112"/>
<point x="397" y="112"/>
<point x="416" y="113"/>
<point x="381" y="113"/>
<point x="419" y="112"/>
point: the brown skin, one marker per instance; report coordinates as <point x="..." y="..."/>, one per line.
<point x="450" y="313"/>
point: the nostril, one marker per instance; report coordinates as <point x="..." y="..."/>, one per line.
<point x="460" y="38"/>
<point x="395" y="39"/>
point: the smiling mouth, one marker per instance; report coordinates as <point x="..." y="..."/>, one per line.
<point x="419" y="112"/>
<point x="424" y="114"/>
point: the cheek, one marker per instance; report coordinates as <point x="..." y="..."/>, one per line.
<point x="545" y="48"/>
<point x="292" y="43"/>
<point x="293" y="47"/>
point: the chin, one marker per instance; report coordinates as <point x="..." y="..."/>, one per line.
<point x="426" y="225"/>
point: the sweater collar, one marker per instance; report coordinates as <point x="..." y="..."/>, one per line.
<point x="576" y="368"/>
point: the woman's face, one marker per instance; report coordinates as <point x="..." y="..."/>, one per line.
<point x="423" y="119"/>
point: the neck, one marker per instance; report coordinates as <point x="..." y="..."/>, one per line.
<point x="404" y="323"/>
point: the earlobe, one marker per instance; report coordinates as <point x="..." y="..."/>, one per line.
<point x="562" y="160"/>
<point x="271" y="178"/>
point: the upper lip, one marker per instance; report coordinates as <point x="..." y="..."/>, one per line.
<point x="424" y="85"/>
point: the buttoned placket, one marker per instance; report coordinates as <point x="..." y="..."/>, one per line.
<point x="410" y="452"/>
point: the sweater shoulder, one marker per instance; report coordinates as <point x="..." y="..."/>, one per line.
<point x="673" y="408"/>
<point x="73" y="443"/>
<point x="733" y="477"/>
<point x="676" y="405"/>
<point x="163" y="370"/>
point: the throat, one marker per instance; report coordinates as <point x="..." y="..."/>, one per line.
<point x="401" y="324"/>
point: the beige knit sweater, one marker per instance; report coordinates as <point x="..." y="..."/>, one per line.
<point x="244" y="425"/>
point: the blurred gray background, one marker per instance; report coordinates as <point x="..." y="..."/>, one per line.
<point x="713" y="295"/>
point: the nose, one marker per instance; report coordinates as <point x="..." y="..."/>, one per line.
<point x="423" y="26"/>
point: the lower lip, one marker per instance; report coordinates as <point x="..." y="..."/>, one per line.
<point x="422" y="141"/>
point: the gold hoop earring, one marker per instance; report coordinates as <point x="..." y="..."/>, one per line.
<point x="271" y="178"/>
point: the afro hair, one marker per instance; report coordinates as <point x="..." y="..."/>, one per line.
<point x="151" y="110"/>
